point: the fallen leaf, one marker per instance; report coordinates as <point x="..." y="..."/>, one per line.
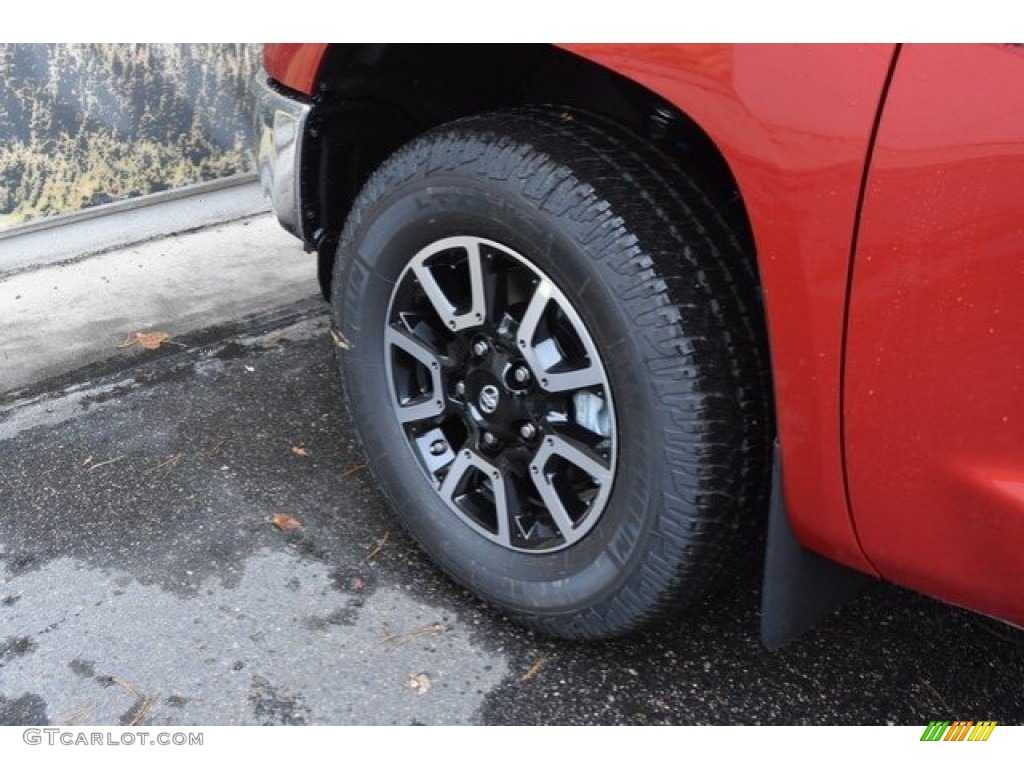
<point x="127" y="686"/>
<point x="535" y="669"/>
<point x="148" y="340"/>
<point x="340" y="341"/>
<point x="211" y="452"/>
<point x="353" y="470"/>
<point x="152" y="340"/>
<point x="436" y="628"/>
<point x="142" y="703"/>
<point x="285" y="522"/>
<point x="79" y="714"/>
<point x="300" y="450"/>
<point x="166" y="465"/>
<point x="378" y="547"/>
<point x="419" y="682"/>
<point x="104" y="463"/>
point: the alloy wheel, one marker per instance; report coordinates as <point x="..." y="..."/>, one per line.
<point x="501" y="394"/>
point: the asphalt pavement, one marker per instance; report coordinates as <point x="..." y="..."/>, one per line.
<point x="189" y="536"/>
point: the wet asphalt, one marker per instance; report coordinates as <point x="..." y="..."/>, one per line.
<point x="142" y="581"/>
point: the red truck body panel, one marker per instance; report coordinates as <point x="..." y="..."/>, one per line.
<point x="935" y="362"/>
<point x="294" y="65"/>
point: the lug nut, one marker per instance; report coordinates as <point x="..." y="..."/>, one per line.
<point x="490" y="440"/>
<point x="527" y="431"/>
<point x="460" y="388"/>
<point x="521" y="374"/>
<point x="438" y="447"/>
<point x="480" y="348"/>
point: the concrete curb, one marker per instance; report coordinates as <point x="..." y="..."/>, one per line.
<point x="74" y="236"/>
<point x="58" y="318"/>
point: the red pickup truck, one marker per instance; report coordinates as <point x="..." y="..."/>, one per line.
<point x="603" y="312"/>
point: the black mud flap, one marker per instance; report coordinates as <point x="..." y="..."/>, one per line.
<point x="800" y="587"/>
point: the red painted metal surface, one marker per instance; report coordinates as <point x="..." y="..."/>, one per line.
<point x="794" y="124"/>
<point x="935" y="376"/>
<point x="294" y="64"/>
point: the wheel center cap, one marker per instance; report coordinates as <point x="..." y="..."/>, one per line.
<point x="489" y="398"/>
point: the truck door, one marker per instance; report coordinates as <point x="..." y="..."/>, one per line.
<point x="933" y="399"/>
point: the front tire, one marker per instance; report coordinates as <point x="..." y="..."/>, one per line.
<point x="555" y="367"/>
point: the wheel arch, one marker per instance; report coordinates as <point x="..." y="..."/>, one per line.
<point x="371" y="99"/>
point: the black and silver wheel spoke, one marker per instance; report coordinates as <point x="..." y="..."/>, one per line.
<point x="451" y="305"/>
<point x="554" y="369"/>
<point x="477" y="488"/>
<point x="548" y="470"/>
<point x="412" y="405"/>
<point x="501" y="393"/>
